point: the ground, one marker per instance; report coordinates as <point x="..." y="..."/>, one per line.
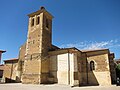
<point x="54" y="87"/>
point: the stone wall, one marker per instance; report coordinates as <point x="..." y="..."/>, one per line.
<point x="10" y="69"/>
<point x="53" y="68"/>
<point x="83" y="70"/>
<point x="22" y="51"/>
<point x="32" y="69"/>
<point x="101" y="74"/>
<point x="62" y="73"/>
<point x="64" y="69"/>
<point x="21" y="62"/>
<point x="36" y="63"/>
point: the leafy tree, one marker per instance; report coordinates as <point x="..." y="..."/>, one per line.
<point x="118" y="70"/>
<point x="118" y="66"/>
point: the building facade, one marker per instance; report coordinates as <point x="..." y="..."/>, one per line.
<point x="10" y="69"/>
<point x="41" y="62"/>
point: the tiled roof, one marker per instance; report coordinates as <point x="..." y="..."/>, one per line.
<point x="14" y="59"/>
<point x="68" y="49"/>
<point x="93" y="50"/>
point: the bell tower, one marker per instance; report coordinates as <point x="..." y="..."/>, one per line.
<point x="39" y="41"/>
<point x="39" y="32"/>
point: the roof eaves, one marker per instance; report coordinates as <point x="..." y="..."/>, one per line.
<point x="2" y="51"/>
<point x="95" y="50"/>
<point x="14" y="59"/>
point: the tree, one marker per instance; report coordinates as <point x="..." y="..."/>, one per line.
<point x="118" y="70"/>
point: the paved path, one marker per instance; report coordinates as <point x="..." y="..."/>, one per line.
<point x="53" y="87"/>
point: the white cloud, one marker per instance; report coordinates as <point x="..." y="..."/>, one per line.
<point x="93" y="44"/>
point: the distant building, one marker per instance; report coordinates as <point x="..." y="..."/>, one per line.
<point x="1" y="66"/>
<point x="10" y="69"/>
<point x="41" y="62"/>
<point x="117" y="61"/>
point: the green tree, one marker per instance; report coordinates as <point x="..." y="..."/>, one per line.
<point x="118" y="70"/>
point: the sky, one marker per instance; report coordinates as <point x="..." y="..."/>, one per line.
<point x="84" y="24"/>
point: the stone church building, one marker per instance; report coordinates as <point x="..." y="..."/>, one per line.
<point x="41" y="62"/>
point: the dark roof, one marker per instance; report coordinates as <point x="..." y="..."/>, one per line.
<point x="94" y="50"/>
<point x="14" y="59"/>
<point x="2" y="51"/>
<point x="55" y="46"/>
<point x="1" y="64"/>
<point x="72" y="48"/>
<point x="40" y="11"/>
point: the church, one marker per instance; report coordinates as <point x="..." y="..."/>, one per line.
<point x="41" y="62"/>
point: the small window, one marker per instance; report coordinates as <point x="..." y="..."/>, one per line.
<point x="38" y="20"/>
<point x="47" y="23"/>
<point x="92" y="65"/>
<point x="33" y="41"/>
<point x="32" y="22"/>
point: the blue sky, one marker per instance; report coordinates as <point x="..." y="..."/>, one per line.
<point x="85" y="24"/>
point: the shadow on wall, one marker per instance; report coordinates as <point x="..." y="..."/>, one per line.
<point x="8" y="80"/>
<point x="92" y="80"/>
<point x="1" y="73"/>
<point x="88" y="77"/>
<point x="52" y="78"/>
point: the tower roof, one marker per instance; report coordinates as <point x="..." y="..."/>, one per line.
<point x="42" y="10"/>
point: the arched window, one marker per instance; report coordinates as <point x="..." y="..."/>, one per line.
<point x="47" y="23"/>
<point x="32" y="22"/>
<point x="38" y="20"/>
<point x="92" y="65"/>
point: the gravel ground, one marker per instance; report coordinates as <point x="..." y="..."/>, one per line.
<point x="19" y="86"/>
